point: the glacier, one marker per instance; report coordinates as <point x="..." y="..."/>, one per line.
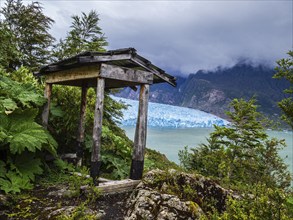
<point x="169" y="116"/>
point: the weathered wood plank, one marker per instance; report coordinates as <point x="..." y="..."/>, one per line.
<point x="136" y="170"/>
<point x="115" y="186"/>
<point x="97" y="130"/>
<point x="118" y="186"/>
<point x="46" y="111"/>
<point x="103" y="58"/>
<point x="125" y="74"/>
<point x="84" y="72"/>
<point x="81" y="125"/>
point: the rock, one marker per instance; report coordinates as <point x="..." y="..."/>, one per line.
<point x="151" y="204"/>
<point x="63" y="193"/>
<point x="175" y="195"/>
<point x="3" y="200"/>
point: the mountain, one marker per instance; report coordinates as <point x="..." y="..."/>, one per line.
<point x="163" y="115"/>
<point x="212" y="91"/>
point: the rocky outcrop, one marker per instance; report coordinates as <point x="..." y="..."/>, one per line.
<point x="175" y="195"/>
<point x="151" y="204"/>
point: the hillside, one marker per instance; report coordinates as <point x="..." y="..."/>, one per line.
<point x="212" y="91"/>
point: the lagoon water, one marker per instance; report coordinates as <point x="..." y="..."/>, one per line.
<point x="170" y="140"/>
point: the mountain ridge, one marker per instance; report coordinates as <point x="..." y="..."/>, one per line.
<point x="212" y="91"/>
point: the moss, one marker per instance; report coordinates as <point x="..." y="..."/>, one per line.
<point x="157" y="160"/>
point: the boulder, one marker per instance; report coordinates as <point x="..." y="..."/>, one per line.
<point x="175" y="195"/>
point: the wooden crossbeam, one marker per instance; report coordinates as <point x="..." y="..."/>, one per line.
<point x="78" y="73"/>
<point x="125" y="74"/>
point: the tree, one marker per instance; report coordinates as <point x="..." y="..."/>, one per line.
<point x="285" y="71"/>
<point x="241" y="153"/>
<point x="8" y="50"/>
<point x="30" y="29"/>
<point x="85" y="35"/>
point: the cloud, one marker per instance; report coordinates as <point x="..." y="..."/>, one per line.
<point x="185" y="36"/>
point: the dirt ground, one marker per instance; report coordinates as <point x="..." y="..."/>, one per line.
<point x="42" y="203"/>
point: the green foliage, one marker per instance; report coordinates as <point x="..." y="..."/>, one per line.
<point x="20" y="133"/>
<point x="85" y="35"/>
<point x="115" y="153"/>
<point x="241" y="154"/>
<point x="21" y="138"/>
<point x="14" y="95"/>
<point x="29" y="31"/>
<point x="19" y="172"/>
<point x="260" y="203"/>
<point x="155" y="160"/>
<point x="63" y="165"/>
<point x="285" y="71"/>
<point x="8" y="49"/>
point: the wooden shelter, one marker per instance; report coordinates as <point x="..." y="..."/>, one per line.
<point x="106" y="70"/>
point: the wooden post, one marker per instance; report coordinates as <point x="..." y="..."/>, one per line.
<point x="137" y="163"/>
<point x="45" y="114"/>
<point x="81" y="126"/>
<point x="97" y="130"/>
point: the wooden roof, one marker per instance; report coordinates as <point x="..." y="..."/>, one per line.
<point x="125" y="58"/>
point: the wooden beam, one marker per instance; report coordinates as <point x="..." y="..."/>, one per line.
<point x="153" y="70"/>
<point x="137" y="164"/>
<point x="113" y="186"/>
<point x="116" y="186"/>
<point x="125" y="74"/>
<point x="46" y="111"/>
<point x="97" y="130"/>
<point x="84" y="72"/>
<point x="81" y="126"/>
<point x="103" y="58"/>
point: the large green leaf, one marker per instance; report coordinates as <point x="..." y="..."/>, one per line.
<point x="28" y="135"/>
<point x="7" y="105"/>
<point x="4" y="122"/>
<point x="20" y="116"/>
<point x="26" y="98"/>
<point x="24" y="95"/>
<point x="28" y="166"/>
<point x="21" y="132"/>
<point x="14" y="183"/>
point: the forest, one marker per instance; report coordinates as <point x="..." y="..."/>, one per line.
<point x="240" y="158"/>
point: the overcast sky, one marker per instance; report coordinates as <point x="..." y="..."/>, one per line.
<point x="185" y="36"/>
